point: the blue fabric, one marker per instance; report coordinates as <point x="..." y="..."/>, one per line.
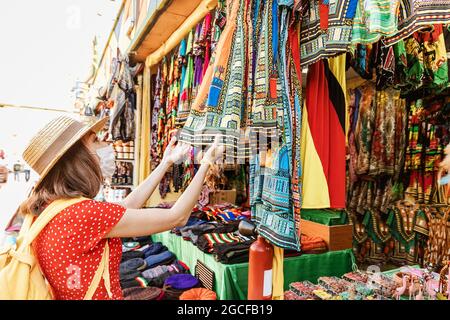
<point x="154" y="248"/>
<point x="288" y="3"/>
<point x="275" y="31"/>
<point x="351" y="11"/>
<point x="164" y="257"/>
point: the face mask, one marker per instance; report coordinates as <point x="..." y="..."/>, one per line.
<point x="107" y="161"/>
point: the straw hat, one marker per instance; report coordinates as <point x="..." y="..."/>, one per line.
<point x="51" y="142"/>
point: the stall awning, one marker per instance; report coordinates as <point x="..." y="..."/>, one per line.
<point x="169" y="20"/>
<point x="160" y="25"/>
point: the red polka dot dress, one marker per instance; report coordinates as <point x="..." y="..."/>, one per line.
<point x="69" y="249"/>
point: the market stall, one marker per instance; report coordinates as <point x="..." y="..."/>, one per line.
<point x="335" y="125"/>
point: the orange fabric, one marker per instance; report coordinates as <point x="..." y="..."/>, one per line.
<point x="311" y="243"/>
<point x="198" y="294"/>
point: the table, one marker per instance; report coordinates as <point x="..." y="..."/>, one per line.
<point x="231" y="280"/>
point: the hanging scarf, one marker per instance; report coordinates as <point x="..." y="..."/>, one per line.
<point x="217" y="106"/>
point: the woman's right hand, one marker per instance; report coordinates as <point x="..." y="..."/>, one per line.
<point x="215" y="151"/>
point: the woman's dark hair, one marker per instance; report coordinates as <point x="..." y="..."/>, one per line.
<point x="76" y="174"/>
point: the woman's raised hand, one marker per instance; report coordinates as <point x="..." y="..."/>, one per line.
<point x="215" y="151"/>
<point x="175" y="153"/>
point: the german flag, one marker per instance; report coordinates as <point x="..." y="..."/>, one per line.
<point x="323" y="135"/>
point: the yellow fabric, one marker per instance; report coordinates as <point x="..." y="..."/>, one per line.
<point x="138" y="121"/>
<point x="144" y="152"/>
<point x="200" y="12"/>
<point x="278" y="274"/>
<point x="337" y="66"/>
<point x="20" y="275"/>
<point x="314" y="183"/>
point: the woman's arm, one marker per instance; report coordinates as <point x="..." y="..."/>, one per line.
<point x="137" y="198"/>
<point x="142" y="222"/>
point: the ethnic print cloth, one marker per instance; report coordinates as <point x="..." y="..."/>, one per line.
<point x="417" y="14"/>
<point x="326" y="29"/>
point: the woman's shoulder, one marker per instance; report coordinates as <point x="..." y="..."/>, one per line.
<point x="89" y="208"/>
<point x="94" y="205"/>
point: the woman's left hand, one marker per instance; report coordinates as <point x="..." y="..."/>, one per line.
<point x="174" y="154"/>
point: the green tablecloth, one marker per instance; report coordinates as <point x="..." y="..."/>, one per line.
<point x="231" y="280"/>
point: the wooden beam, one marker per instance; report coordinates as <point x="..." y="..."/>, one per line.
<point x="199" y="13"/>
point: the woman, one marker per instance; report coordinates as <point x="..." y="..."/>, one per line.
<point x="72" y="163"/>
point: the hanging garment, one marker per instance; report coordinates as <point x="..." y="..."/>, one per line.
<point x="186" y="81"/>
<point x="326" y="29"/>
<point x="323" y="135"/>
<point x="382" y="157"/>
<point x="364" y="128"/>
<point x="294" y="81"/>
<point x="422" y="60"/>
<point x="271" y="191"/>
<point x="374" y="19"/>
<point x="417" y="14"/>
<point x="217" y="107"/>
<point x="263" y="114"/>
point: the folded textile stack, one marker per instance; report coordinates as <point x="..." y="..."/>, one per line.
<point x="230" y="253"/>
<point x="147" y="265"/>
<point x="207" y="241"/>
<point x="214" y="229"/>
<point x="312" y="244"/>
<point x="176" y="285"/>
<point x="224" y="212"/>
<point x="192" y="233"/>
<point x="146" y="293"/>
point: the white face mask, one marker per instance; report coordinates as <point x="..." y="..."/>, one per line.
<point x="107" y="161"/>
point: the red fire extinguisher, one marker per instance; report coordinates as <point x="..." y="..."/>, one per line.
<point x="260" y="270"/>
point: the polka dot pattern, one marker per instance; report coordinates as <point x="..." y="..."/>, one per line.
<point x="70" y="247"/>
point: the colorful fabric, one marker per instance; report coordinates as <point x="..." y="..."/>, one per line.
<point x="206" y="242"/>
<point x="263" y="114"/>
<point x="422" y="60"/>
<point x="323" y="135"/>
<point x="382" y="158"/>
<point x="374" y="19"/>
<point x="217" y="107"/>
<point x="323" y="40"/>
<point x="417" y="14"/>
<point x="275" y="118"/>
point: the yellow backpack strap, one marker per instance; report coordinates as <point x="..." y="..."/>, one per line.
<point x="30" y="233"/>
<point x="102" y="272"/>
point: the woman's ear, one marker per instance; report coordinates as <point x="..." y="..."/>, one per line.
<point x="88" y="140"/>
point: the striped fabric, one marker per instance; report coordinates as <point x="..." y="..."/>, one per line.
<point x="323" y="135"/>
<point x="417" y="14"/>
<point x="326" y="29"/>
<point x="206" y="241"/>
<point x="374" y="19"/>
